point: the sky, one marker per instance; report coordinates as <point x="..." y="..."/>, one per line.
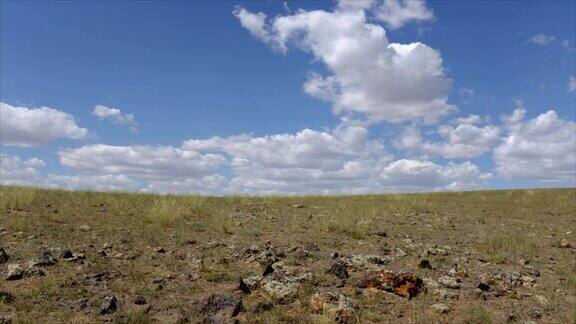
<point x="299" y="97"/>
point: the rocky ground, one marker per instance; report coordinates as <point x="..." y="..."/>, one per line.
<point x="461" y="257"/>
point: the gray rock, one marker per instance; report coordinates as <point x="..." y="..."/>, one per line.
<point x="441" y="308"/>
<point x="45" y="260"/>
<point x="249" y="283"/>
<point x="109" y="305"/>
<point x="281" y="292"/>
<point x="339" y="269"/>
<point x="222" y="308"/>
<point x="34" y="271"/>
<point x="338" y="307"/>
<point x="449" y="282"/>
<point x="14" y="272"/>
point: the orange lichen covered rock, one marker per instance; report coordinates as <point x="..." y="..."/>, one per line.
<point x="402" y="284"/>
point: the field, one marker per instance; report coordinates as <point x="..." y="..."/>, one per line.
<point x="471" y="257"/>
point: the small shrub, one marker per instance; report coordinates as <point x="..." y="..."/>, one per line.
<point x="166" y="210"/>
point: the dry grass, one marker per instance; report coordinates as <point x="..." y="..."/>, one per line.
<point x="500" y="226"/>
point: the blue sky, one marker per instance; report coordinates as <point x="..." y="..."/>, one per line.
<point x="211" y="96"/>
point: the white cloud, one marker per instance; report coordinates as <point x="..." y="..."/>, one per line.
<point x="115" y="116"/>
<point x="397" y="13"/>
<point x="542" y="148"/>
<point x="255" y="23"/>
<point x="341" y="159"/>
<point x="542" y="39"/>
<point x="572" y="84"/>
<point x="369" y="76"/>
<point x="410" y="139"/>
<point x="463" y="141"/>
<point x="16" y="171"/>
<point x="140" y="162"/>
<point x="424" y="175"/>
<point x="21" y="126"/>
<point x="92" y="182"/>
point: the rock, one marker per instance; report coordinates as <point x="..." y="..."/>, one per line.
<point x="34" y="271"/>
<point x="70" y="256"/>
<point x="14" y="272"/>
<point x="430" y="283"/>
<point x="424" y="264"/>
<point x="541" y="300"/>
<point x="535" y="313"/>
<point x="312" y="247"/>
<point x="281" y="292"/>
<point x="337" y="306"/>
<point x="249" y="283"/>
<point x="109" y="305"/>
<point x="339" y="269"/>
<point x="334" y="255"/>
<point x="66" y="254"/>
<point x="440" y="308"/>
<point x="263" y="306"/>
<point x="4" y="257"/>
<point x="402" y="284"/>
<point x="567" y="244"/>
<point x="527" y="279"/>
<point x="445" y="294"/>
<point x="85" y="228"/>
<point x="45" y="260"/>
<point x="449" y="282"/>
<point x="6" y="297"/>
<point x="363" y="262"/>
<point x="139" y="300"/>
<point x="222" y="308"/>
<point x="484" y="286"/>
<point x="381" y="233"/>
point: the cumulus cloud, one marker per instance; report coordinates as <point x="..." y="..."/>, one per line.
<point x="397" y="13"/>
<point x="422" y="175"/>
<point x="143" y="162"/>
<point x="461" y="139"/>
<point x="27" y="127"/>
<point x="572" y="84"/>
<point x="16" y="171"/>
<point x="542" y="148"/>
<point x="92" y="182"/>
<point x="368" y="75"/>
<point x="542" y="39"/>
<point x="308" y="161"/>
<point x="115" y="116"/>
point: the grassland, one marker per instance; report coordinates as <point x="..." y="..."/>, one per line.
<point x="162" y="257"/>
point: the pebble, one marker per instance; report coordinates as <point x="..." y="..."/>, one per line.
<point x="441" y="308"/>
